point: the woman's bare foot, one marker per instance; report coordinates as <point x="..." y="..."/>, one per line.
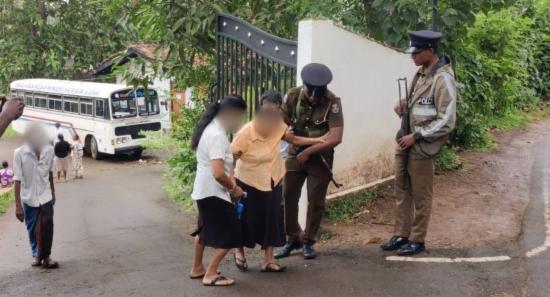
<point x="197" y="272"/>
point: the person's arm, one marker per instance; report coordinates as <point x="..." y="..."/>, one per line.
<point x="333" y="139"/>
<point x="17" y="176"/>
<point x="218" y="171"/>
<point x="52" y="187"/>
<point x="303" y="141"/>
<point x="10" y="111"/>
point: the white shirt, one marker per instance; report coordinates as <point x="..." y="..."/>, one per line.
<point x="33" y="174"/>
<point x="213" y="145"/>
<point x="58" y="131"/>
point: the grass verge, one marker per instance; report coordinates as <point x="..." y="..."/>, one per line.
<point x="10" y="132"/>
<point x="344" y="209"/>
<point x="6" y="200"/>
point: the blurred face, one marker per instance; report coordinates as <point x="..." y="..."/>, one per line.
<point x="35" y="137"/>
<point x="232" y="119"/>
<point x="268" y="120"/>
<point x="424" y="57"/>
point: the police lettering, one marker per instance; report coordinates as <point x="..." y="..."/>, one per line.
<point x="426" y="100"/>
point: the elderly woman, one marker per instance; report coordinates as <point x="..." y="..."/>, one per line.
<point x="214" y="187"/>
<point x="259" y="171"/>
<point x="78" y="153"/>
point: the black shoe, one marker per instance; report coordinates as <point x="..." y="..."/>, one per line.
<point x="394" y="243"/>
<point x="287" y="249"/>
<point x="411" y="248"/>
<point x="309" y="252"/>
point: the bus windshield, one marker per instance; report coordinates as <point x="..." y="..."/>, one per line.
<point x="125" y="104"/>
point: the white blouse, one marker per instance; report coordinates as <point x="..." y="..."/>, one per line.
<point x="213" y="145"/>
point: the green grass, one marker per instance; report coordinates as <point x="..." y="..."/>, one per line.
<point x="343" y="209"/>
<point x="448" y="160"/>
<point x="10" y="132"/>
<point x="6" y="200"/>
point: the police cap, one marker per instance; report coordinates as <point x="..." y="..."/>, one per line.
<point x="316" y="74"/>
<point x="422" y="40"/>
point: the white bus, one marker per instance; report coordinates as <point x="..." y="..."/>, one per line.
<point x="107" y="117"/>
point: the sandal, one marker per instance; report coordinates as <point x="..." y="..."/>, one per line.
<point x="214" y="282"/>
<point x="50" y="264"/>
<point x="36" y="262"/>
<point x="240" y="263"/>
<point x="273" y="267"/>
<point x="199" y="276"/>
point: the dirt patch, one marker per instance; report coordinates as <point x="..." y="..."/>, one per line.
<point x="480" y="205"/>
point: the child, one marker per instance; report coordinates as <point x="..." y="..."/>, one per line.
<point x="6" y="175"/>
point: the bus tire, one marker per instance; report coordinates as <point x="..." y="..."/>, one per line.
<point x="94" y="149"/>
<point x="137" y="154"/>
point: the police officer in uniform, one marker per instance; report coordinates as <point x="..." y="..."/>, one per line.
<point x="431" y="110"/>
<point x="312" y="111"/>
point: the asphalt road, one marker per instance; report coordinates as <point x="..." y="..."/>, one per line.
<point x="117" y="234"/>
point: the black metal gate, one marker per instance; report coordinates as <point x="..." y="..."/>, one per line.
<point x="251" y="61"/>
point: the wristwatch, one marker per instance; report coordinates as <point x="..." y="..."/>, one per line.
<point x="417" y="136"/>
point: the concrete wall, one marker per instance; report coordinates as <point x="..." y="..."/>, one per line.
<point x="365" y="77"/>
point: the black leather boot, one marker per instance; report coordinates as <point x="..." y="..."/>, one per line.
<point x="287" y="249"/>
<point x="394" y="243"/>
<point x="411" y="248"/>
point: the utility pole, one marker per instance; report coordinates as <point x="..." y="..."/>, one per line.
<point x="434" y="15"/>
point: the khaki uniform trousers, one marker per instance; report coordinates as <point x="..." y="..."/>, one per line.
<point x="414" y="191"/>
<point x="318" y="180"/>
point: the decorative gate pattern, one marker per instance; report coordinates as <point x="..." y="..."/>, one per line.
<point x="251" y="61"/>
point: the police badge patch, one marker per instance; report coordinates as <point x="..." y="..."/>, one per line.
<point x="335" y="108"/>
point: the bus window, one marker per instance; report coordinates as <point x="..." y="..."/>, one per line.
<point x="41" y="102"/>
<point x="99" y="109"/>
<point x="86" y="106"/>
<point x="70" y="104"/>
<point x="28" y="100"/>
<point x="54" y="102"/>
<point x="123" y="105"/>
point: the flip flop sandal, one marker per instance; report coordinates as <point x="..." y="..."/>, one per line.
<point x="214" y="282"/>
<point x="269" y="268"/>
<point x="241" y="264"/>
<point x="50" y="265"/>
<point x="199" y="276"/>
<point x="36" y="263"/>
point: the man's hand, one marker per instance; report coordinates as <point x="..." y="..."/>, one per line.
<point x="303" y="157"/>
<point x="19" y="213"/>
<point x="406" y="141"/>
<point x="13" y="109"/>
<point x="400" y="107"/>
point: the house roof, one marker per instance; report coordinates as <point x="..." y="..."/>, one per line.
<point x="147" y="51"/>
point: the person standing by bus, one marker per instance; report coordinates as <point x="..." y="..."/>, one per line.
<point x="35" y="193"/>
<point x="62" y="151"/>
<point x="214" y="187"/>
<point x="78" y="153"/>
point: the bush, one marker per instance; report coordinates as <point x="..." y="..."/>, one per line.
<point x="495" y="67"/>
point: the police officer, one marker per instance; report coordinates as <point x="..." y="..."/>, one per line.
<point x="431" y="109"/>
<point x="312" y="111"/>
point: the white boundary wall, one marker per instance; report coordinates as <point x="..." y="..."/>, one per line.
<point x="365" y="77"/>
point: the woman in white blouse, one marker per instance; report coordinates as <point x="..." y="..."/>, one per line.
<point x="218" y="224"/>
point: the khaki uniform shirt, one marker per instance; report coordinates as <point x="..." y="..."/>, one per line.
<point x="432" y="108"/>
<point x="315" y="119"/>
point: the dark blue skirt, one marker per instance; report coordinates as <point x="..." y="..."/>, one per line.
<point x="263" y="217"/>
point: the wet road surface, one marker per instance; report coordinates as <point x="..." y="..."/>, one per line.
<point x="117" y="234"/>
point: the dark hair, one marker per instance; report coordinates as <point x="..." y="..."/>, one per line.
<point x="76" y="137"/>
<point x="5" y="164"/>
<point x="60" y="137"/>
<point x="230" y="101"/>
<point x="271" y="96"/>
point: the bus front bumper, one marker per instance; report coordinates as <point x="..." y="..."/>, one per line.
<point x="128" y="149"/>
